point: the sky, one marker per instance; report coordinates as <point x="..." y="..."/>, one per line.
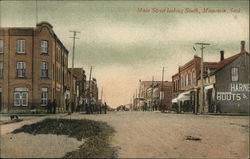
<point x="124" y="45"/>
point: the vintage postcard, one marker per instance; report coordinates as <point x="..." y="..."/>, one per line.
<point x="124" y="79"/>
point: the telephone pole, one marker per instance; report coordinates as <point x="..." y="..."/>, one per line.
<point x="202" y="108"/>
<point x="36" y="13"/>
<point x="152" y="106"/>
<point x="101" y="94"/>
<point x="89" y="110"/>
<point x="74" y="38"/>
<point x="162" y="92"/>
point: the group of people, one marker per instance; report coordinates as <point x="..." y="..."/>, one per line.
<point x="93" y="107"/>
<point x="70" y="107"/>
<point x="51" y="107"/>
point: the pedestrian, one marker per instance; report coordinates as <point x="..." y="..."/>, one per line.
<point x="54" y="106"/>
<point x="100" y="108"/>
<point x="72" y="106"/>
<point x="105" y="108"/>
<point x="67" y="104"/>
<point x="48" y="106"/>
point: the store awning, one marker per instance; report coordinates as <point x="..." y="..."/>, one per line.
<point x="184" y="96"/>
<point x="174" y="100"/>
<point x="209" y="87"/>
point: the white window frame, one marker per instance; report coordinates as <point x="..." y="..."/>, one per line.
<point x="1" y="46"/>
<point x="21" y="68"/>
<point x="21" y="46"/>
<point x="186" y="80"/>
<point x="1" y="69"/>
<point x="44" y="69"/>
<point x="44" y="46"/>
<point x="23" y="99"/>
<point x="44" y="96"/>
<point x="235" y="74"/>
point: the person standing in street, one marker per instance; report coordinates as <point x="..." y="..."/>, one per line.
<point x="54" y="106"/>
<point x="72" y="106"/>
<point x="49" y="106"/>
<point x="105" y="108"/>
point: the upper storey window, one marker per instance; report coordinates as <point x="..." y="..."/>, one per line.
<point x="44" y="47"/>
<point x="21" y="46"/>
<point x="1" y="46"/>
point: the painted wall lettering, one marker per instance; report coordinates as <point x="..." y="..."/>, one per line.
<point x="225" y="96"/>
<point x="240" y="87"/>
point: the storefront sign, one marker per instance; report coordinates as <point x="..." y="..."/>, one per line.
<point x="239" y="91"/>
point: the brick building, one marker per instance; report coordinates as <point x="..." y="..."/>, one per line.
<point x="33" y="68"/>
<point x="80" y="76"/>
<point x="92" y="91"/>
<point x="185" y="84"/>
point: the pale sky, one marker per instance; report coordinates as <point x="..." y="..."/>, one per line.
<point x="124" y="45"/>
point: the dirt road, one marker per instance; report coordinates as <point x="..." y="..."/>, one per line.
<point x="157" y="135"/>
<point x="144" y="135"/>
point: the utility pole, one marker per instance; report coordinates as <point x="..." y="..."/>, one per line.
<point x="74" y="38"/>
<point x="202" y="108"/>
<point x="133" y="101"/>
<point x="152" y="92"/>
<point x="101" y="94"/>
<point x="36" y="13"/>
<point x="89" y="89"/>
<point x="162" y="92"/>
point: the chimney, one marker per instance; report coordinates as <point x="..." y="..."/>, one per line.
<point x="242" y="46"/>
<point x="221" y="55"/>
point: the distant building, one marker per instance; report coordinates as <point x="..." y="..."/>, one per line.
<point x="92" y="90"/>
<point x="33" y="68"/>
<point x="155" y="95"/>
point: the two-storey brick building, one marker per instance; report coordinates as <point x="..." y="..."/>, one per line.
<point x="33" y="68"/>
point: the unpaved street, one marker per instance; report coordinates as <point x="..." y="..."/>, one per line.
<point x="145" y="135"/>
<point x="157" y="135"/>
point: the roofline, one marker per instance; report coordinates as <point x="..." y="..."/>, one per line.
<point x="241" y="53"/>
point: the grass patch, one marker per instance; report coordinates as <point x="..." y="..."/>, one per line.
<point x="98" y="135"/>
<point x="10" y="121"/>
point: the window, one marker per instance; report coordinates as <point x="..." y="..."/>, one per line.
<point x="44" y="96"/>
<point x="44" y="47"/>
<point x="21" y="46"/>
<point x="44" y="69"/>
<point x="186" y="81"/>
<point x="1" y="46"/>
<point x="235" y="74"/>
<point x="21" y="97"/>
<point x="193" y="80"/>
<point x="21" y="66"/>
<point x="1" y="69"/>
<point x="189" y="79"/>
